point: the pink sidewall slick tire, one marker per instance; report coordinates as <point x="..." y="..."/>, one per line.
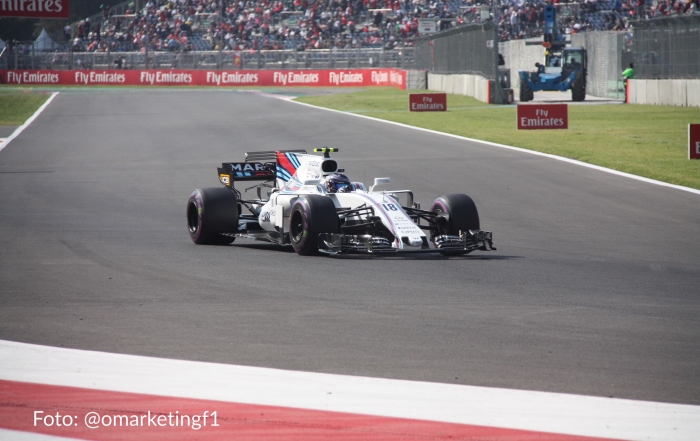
<point x="462" y="215"/>
<point x="211" y="212"/>
<point x="310" y="216"/>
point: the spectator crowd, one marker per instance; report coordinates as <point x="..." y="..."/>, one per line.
<point x="237" y="25"/>
<point x="257" y="24"/>
<point x="524" y="19"/>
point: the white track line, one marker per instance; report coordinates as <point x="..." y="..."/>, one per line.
<point x="31" y="119"/>
<point x="517" y="149"/>
<point x="492" y="407"/>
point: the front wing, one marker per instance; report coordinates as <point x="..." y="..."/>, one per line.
<point x="469" y="241"/>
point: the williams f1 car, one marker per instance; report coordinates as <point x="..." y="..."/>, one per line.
<point x="306" y="201"/>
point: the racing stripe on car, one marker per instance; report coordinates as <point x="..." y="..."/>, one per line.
<point x="259" y="403"/>
<point x="293" y="159"/>
<point x="388" y="218"/>
<point x="286" y="166"/>
<point x="283" y="174"/>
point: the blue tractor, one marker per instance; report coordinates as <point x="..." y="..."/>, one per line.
<point x="564" y="67"/>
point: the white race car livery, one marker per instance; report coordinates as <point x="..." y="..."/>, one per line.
<point x="305" y="200"/>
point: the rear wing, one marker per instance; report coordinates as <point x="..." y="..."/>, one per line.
<point x="229" y="172"/>
<point x="269" y="155"/>
<point x="258" y="166"/>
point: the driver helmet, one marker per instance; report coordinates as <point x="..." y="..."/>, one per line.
<point x="338" y="183"/>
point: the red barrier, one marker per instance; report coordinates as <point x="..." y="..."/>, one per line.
<point x="265" y="78"/>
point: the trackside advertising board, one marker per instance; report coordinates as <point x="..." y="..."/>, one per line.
<point x="359" y="77"/>
<point x="543" y="116"/>
<point x="34" y="8"/>
<point x="693" y="141"/>
<point x="427" y="102"/>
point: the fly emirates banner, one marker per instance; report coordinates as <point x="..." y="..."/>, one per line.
<point x="358" y="77"/>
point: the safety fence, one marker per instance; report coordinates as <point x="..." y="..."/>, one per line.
<point x="468" y="49"/>
<point x="403" y="58"/>
<point x="667" y="47"/>
<point x="519" y="55"/>
<point x="607" y="56"/>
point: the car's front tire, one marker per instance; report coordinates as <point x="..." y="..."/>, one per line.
<point x="211" y="212"/>
<point x="462" y="216"/>
<point x="310" y="216"/>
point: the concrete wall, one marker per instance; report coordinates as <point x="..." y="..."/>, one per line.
<point x="659" y="92"/>
<point x="605" y="62"/>
<point x="416" y="79"/>
<point x="460" y="84"/>
<point x="693" y="87"/>
<point x="665" y="92"/>
<point x="519" y="56"/>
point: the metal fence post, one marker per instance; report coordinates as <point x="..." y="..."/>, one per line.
<point x="146" y="52"/>
<point x="221" y="34"/>
<point x="497" y="91"/>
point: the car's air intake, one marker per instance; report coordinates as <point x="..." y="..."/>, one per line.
<point x="329" y="166"/>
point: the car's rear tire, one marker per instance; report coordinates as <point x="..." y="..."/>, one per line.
<point x="211" y="212"/>
<point x="526" y="94"/>
<point x="462" y="215"/>
<point x="310" y="216"/>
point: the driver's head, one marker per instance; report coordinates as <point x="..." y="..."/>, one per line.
<point x="338" y="183"/>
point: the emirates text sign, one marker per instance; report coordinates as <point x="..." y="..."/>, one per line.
<point x="693" y="141"/>
<point x="427" y="102"/>
<point x="543" y="116"/>
<point x="324" y="78"/>
<point x="35" y="8"/>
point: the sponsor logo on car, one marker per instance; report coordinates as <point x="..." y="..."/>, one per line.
<point x="247" y="166"/>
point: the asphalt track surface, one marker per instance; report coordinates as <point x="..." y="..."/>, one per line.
<point x="593" y="289"/>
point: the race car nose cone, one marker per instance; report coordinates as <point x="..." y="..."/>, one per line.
<point x="416" y="241"/>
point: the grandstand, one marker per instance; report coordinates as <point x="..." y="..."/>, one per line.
<point x="198" y="25"/>
<point x="272" y="33"/>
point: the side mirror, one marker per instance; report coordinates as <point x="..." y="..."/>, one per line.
<point x="378" y="181"/>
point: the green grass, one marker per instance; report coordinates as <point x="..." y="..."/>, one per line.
<point x="16" y="107"/>
<point x="650" y="141"/>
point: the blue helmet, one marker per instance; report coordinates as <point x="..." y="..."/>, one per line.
<point x="338" y="183"/>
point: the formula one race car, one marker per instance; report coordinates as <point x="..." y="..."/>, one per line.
<point x="312" y="206"/>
